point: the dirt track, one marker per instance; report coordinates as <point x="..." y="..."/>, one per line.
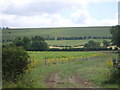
<point x="79" y="81"/>
<point x="107" y="51"/>
<point x="53" y="80"/>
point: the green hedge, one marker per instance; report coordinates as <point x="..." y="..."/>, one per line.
<point x="14" y="62"/>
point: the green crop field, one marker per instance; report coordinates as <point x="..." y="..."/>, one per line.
<point x="67" y="70"/>
<point x="72" y="42"/>
<point x="56" y="32"/>
<point x="11" y="34"/>
<point x="47" y="54"/>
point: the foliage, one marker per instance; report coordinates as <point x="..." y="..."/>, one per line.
<point x="113" y="72"/>
<point x="26" y="42"/>
<point x="37" y="38"/>
<point x="115" y="31"/>
<point x="14" y="62"/>
<point x="35" y="43"/>
<point x="92" y="44"/>
<point x="79" y="49"/>
<point x="80" y="38"/>
<point x="106" y="43"/>
<point x="75" y="43"/>
<point x="38" y="44"/>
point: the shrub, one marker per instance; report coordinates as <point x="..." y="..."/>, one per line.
<point x="92" y="44"/>
<point x="14" y="62"/>
<point x="36" y="43"/>
<point x="116" y="48"/>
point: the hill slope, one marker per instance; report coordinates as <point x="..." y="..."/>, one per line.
<point x="57" y="32"/>
<point x="11" y="34"/>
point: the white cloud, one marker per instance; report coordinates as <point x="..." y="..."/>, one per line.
<point x="80" y="16"/>
<point x="26" y="7"/>
<point x="54" y="20"/>
<point x="46" y="13"/>
<point x="31" y="7"/>
<point x="25" y="21"/>
<point x="113" y="21"/>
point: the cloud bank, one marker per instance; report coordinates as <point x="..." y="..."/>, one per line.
<point x="50" y="13"/>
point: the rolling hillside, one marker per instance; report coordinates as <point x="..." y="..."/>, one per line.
<point x="11" y="34"/>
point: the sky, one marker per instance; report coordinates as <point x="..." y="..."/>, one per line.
<point x="58" y="13"/>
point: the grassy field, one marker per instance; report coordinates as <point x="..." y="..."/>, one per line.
<point x="67" y="70"/>
<point x="48" y="55"/>
<point x="57" y="32"/>
<point x="11" y="34"/>
<point x="64" y="69"/>
<point x="72" y="42"/>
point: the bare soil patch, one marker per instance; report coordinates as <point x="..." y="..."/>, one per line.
<point x="54" y="80"/>
<point x="79" y="81"/>
<point x="107" y="51"/>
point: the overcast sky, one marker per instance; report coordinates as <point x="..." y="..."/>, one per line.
<point x="58" y="13"/>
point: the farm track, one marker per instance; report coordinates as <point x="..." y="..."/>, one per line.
<point x="53" y="80"/>
<point x="107" y="51"/>
<point x="79" y="81"/>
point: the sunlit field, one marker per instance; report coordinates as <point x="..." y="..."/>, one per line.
<point x="67" y="70"/>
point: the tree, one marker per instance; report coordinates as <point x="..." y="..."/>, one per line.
<point x="18" y="41"/>
<point x="115" y="31"/>
<point x="39" y="46"/>
<point x="92" y="44"/>
<point x="26" y="42"/>
<point x="7" y="27"/>
<point x="106" y="43"/>
<point x="35" y="43"/>
<point x="14" y="62"/>
<point x="37" y="38"/>
<point x="89" y="37"/>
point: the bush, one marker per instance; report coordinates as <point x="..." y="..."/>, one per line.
<point x="14" y="62"/>
<point x="116" y="48"/>
<point x="92" y="44"/>
<point x="36" y="43"/>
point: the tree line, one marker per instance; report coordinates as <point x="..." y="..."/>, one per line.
<point x="67" y="38"/>
<point x="91" y="45"/>
<point x="36" y="43"/>
<point x="80" y="38"/>
<point x="115" y="31"/>
<point x="76" y="38"/>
